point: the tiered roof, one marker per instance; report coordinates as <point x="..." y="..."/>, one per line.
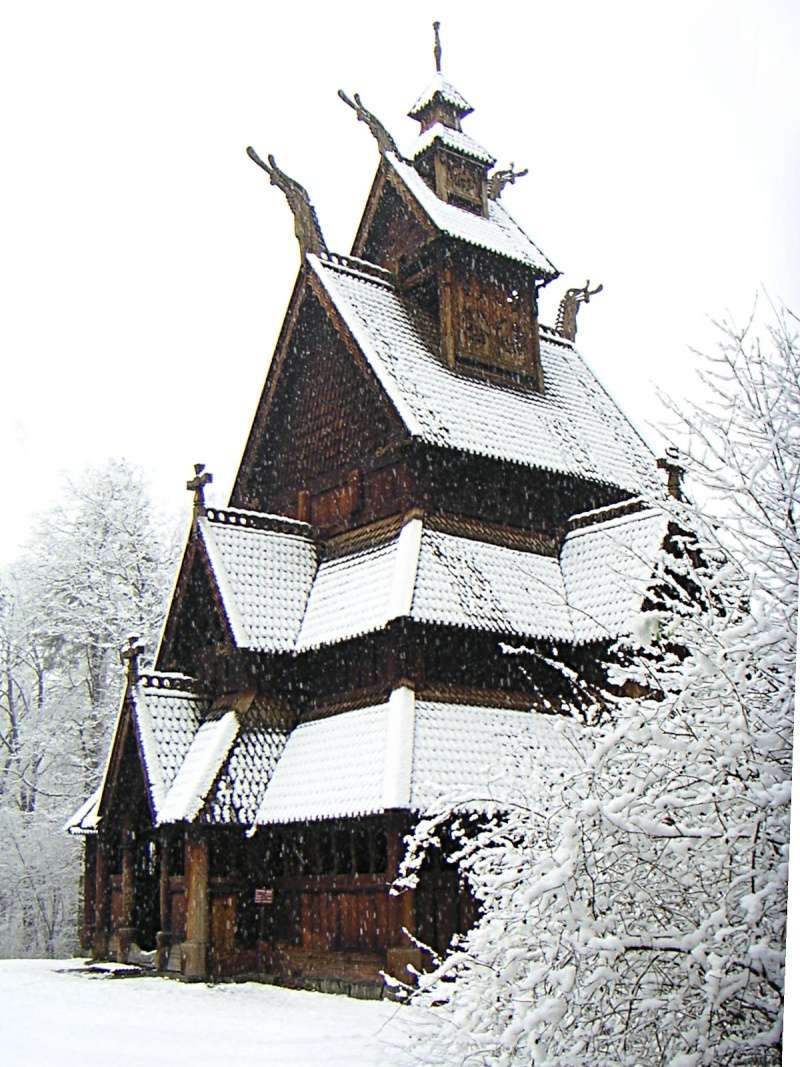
<point x="284" y="592"/>
<point x="590" y="591"/>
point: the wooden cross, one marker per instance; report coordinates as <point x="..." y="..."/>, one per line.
<point x="130" y="654"/>
<point x="198" y="484"/>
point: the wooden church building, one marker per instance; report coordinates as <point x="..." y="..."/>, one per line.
<point x="432" y="476"/>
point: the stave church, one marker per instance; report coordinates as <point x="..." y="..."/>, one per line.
<point x="433" y="477"/>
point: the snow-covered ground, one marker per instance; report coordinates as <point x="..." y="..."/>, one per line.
<point x="54" y="1017"/>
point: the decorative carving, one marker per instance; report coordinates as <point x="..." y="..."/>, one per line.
<point x="386" y="142"/>
<point x="464" y="181"/>
<point x="494" y="325"/>
<point x="501" y="178"/>
<point x="306" y="224"/>
<point x="567" y="319"/>
<point x="197" y="485"/>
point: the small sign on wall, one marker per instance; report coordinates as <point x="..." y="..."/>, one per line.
<point x="264" y="896"/>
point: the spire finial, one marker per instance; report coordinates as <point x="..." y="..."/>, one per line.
<point x="129" y="656"/>
<point x="437" y="47"/>
<point x="197" y="485"/>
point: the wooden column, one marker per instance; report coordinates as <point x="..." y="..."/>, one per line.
<point x="100" y="944"/>
<point x="164" y="935"/>
<point x="127" y="931"/>
<point x="400" y="951"/>
<point x="88" y="880"/>
<point x="195" y="948"/>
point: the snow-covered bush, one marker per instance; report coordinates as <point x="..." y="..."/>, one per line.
<point x="635" y="913"/>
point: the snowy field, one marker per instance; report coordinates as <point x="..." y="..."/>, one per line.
<point x="54" y="1018"/>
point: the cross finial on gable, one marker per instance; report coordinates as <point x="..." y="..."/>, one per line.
<point x="198" y="484"/>
<point x="437" y="47"/>
<point x="129" y="654"/>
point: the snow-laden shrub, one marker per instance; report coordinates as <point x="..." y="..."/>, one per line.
<point x="635" y="913"/>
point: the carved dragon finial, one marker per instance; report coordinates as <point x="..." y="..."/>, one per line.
<point x="437" y="47"/>
<point x="501" y="178"/>
<point x="567" y="319"/>
<point x="386" y="142"/>
<point x="306" y="224"/>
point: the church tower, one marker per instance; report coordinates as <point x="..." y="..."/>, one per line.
<point x="432" y="476"/>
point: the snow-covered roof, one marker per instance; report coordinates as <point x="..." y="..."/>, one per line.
<point x="362" y="591"/>
<point x="331" y="768"/>
<point x="166" y="718"/>
<point x="209" y="748"/>
<point x="422" y="573"/>
<point x="607" y="567"/>
<point x="241" y="785"/>
<point x="455" y="139"/>
<point x="498" y="233"/>
<point x="84" y="821"/>
<point x="572" y="427"/>
<point x="263" y="575"/>
<point x="442" y="87"/>
<point x="409" y="753"/>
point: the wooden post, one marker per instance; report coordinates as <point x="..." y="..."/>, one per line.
<point x="164" y="935"/>
<point x="100" y="945"/>
<point x="88" y="880"/>
<point x="195" y="948"/>
<point x="127" y="930"/>
<point x="400" y="951"/>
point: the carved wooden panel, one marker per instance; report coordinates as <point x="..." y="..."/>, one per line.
<point x="494" y="323"/>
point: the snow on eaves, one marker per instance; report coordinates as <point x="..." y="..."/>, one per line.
<point x="330" y="768"/>
<point x="263" y="577"/>
<point x="203" y="762"/>
<point x="411" y="754"/>
<point x="573" y="427"/>
<point x="84" y="821"/>
<point x="165" y="721"/>
<point x="607" y="568"/>
<point x="241" y="786"/>
<point x="446" y="90"/>
<point x="498" y="233"/>
<point x="462" y="753"/>
<point x="454" y="139"/>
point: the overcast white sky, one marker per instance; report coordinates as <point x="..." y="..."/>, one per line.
<point x="146" y="263"/>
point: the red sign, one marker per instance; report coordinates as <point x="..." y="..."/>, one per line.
<point x="265" y="896"/>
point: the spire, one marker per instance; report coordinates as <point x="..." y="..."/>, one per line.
<point x="441" y="102"/>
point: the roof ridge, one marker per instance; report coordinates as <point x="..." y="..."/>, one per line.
<point x="596" y="516"/>
<point x="362" y="268"/>
<point x="257" y="520"/>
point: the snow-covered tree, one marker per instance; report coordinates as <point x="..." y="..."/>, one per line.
<point x="95" y="569"/>
<point x="634" y="913"/>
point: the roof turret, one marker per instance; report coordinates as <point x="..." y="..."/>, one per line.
<point x="441" y="102"/>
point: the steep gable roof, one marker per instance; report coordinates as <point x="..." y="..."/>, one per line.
<point x="572" y="427"/>
<point x="497" y="233"/>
